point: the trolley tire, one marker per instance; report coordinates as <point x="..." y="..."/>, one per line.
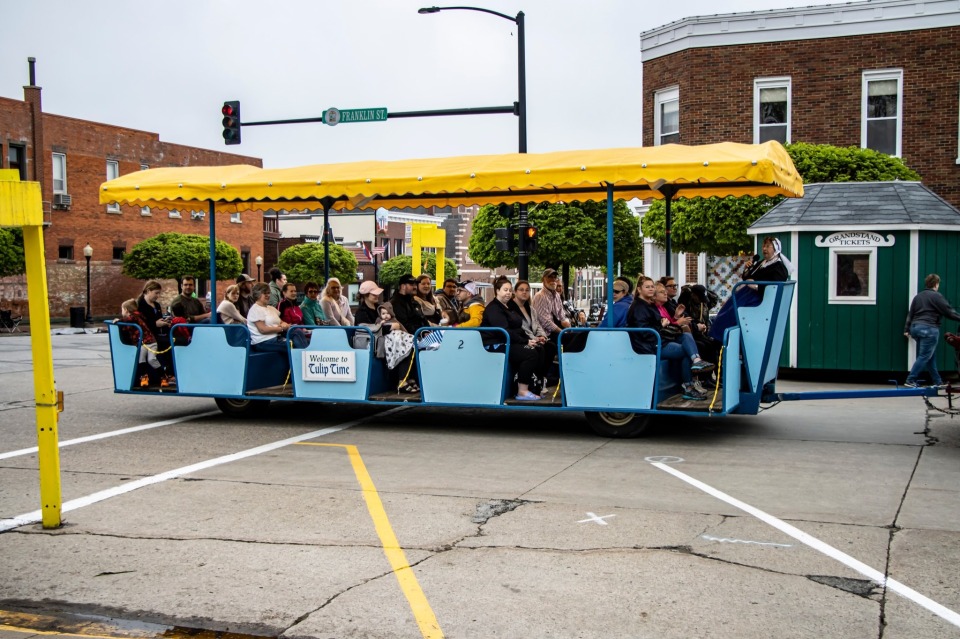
<point x="241" y="407"/>
<point x="619" y="425"/>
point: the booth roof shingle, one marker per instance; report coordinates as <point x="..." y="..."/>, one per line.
<point x="861" y="203"/>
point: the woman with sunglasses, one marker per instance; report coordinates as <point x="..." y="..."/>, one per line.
<point x="622" y="299"/>
<point x="335" y="305"/>
<point x="313" y="314"/>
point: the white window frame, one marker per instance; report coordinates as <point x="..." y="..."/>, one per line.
<point x="871" y="297"/>
<point x="772" y="83"/>
<point x="660" y="98"/>
<point x="879" y="75"/>
<point x="113" y="174"/>
<point x="60" y="164"/>
<point x="235" y="218"/>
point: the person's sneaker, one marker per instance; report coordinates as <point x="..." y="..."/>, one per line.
<point x="144" y="382"/>
<point x="527" y="397"/>
<point x="690" y="392"/>
<point x="701" y="388"/>
<point x="909" y="384"/>
<point x="701" y="366"/>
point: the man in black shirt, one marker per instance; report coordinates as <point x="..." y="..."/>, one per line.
<point x="405" y="308"/>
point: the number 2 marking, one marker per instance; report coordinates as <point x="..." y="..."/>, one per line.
<point x="460" y="348"/>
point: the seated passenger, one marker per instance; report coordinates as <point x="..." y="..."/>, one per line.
<point x="187" y="306"/>
<point x="228" y="311"/>
<point x="775" y="267"/>
<point x="643" y="313"/>
<point x="525" y="353"/>
<point x="289" y="309"/>
<point x="549" y="306"/>
<point x="335" y="305"/>
<point x="148" y="365"/>
<point x="471" y="311"/>
<point x="158" y="323"/>
<point x="310" y="307"/>
<point x="622" y="299"/>
<point x="698" y="301"/>
<point x="267" y="330"/>
<point x="426" y="299"/>
<point x="245" y="283"/>
<point x="449" y="317"/>
<point x="531" y="326"/>
<point x="368" y="303"/>
<point x="277" y="280"/>
<point x="399" y="343"/>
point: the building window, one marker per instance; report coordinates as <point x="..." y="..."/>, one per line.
<point x="881" y="117"/>
<point x="666" y="116"/>
<point x="398" y="247"/>
<point x="17" y="159"/>
<point x="59" y="173"/>
<point x="113" y="172"/>
<point x="65" y="252"/>
<point x="118" y="253"/>
<point x="245" y="260"/>
<point x="958" y="138"/>
<point x="235" y="218"/>
<point x="771" y="110"/>
<point x="853" y="276"/>
<point x="144" y="167"/>
<point x="145" y="211"/>
<point x="175" y="214"/>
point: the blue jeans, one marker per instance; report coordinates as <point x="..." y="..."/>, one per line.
<point x="927" y="337"/>
<point x="675" y="351"/>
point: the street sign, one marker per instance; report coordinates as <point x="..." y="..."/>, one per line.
<point x="334" y="116"/>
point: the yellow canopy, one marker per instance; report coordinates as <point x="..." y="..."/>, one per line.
<point x="707" y="170"/>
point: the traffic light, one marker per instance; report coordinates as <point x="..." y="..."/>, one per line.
<point x="504" y="239"/>
<point x="231" y="122"/>
<point x="531" y="240"/>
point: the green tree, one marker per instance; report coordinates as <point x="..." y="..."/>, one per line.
<point x="304" y="262"/>
<point x="173" y="255"/>
<point x="719" y="225"/>
<point x="11" y="252"/>
<point x="392" y="269"/>
<point x="574" y="234"/>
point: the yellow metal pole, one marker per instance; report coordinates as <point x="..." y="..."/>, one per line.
<point x="21" y="205"/>
<point x="427" y="236"/>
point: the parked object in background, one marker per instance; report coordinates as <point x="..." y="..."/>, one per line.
<point x="9" y="322"/>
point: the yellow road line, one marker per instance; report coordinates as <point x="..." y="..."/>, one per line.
<point x="426" y="620"/>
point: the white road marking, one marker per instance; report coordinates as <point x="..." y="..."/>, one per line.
<point x="112" y="433"/>
<point x="865" y="570"/>
<point x="593" y="517"/>
<point x="80" y="502"/>
<point x="728" y="540"/>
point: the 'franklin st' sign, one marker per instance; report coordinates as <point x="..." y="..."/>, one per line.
<point x="334" y="116"/>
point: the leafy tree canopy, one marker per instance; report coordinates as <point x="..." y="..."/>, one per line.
<point x="395" y="267"/>
<point x="568" y="233"/>
<point x="11" y="252"/>
<point x="173" y="255"/>
<point x="304" y="263"/>
<point x="719" y="225"/>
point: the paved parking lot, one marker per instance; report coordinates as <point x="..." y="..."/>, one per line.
<point x="351" y="521"/>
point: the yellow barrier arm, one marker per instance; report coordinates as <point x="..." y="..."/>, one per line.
<point x="21" y="204"/>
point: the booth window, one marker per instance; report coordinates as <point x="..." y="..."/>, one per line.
<point x="880" y="128"/>
<point x="666" y="117"/>
<point x="853" y="276"/>
<point x="771" y="110"/>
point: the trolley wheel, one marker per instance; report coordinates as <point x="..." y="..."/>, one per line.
<point x="241" y="407"/>
<point x="618" y="424"/>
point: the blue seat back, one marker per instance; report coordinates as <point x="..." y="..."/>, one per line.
<point x="214" y="360"/>
<point x="461" y="371"/>
<point x="124" y="357"/>
<point x="607" y="374"/>
<point x="333" y="339"/>
<point x="730" y="369"/>
<point x="762" y="328"/>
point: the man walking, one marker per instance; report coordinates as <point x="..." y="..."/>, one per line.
<point x="923" y="325"/>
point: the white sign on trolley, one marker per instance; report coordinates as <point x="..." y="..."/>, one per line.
<point x="329" y="366"/>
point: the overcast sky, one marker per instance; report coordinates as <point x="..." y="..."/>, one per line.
<point x="167" y="67"/>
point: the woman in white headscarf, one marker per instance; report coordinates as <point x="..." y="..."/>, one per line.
<point x="774" y="267"/>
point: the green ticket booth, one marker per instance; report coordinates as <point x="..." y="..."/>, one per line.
<point x="860" y="252"/>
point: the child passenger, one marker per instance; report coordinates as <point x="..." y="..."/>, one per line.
<point x="148" y="366"/>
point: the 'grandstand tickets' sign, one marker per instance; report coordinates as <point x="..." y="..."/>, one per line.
<point x="329" y="366"/>
<point x="847" y="239"/>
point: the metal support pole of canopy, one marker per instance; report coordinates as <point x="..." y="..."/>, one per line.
<point x="213" y="260"/>
<point x="609" y="314"/>
<point x="327" y="205"/>
<point x="668" y="191"/>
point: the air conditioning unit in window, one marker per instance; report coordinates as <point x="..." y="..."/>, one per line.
<point x="197" y="215"/>
<point x="62" y="200"/>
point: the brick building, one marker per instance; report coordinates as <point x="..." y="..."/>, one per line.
<point x="70" y="158"/>
<point x="881" y="74"/>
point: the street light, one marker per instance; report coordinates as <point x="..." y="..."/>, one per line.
<point x="87" y="254"/>
<point x="259" y="262"/>
<point x="521" y="106"/>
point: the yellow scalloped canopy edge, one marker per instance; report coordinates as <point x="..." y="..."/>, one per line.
<point x="694" y="171"/>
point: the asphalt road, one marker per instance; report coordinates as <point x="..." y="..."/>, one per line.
<point x="813" y="519"/>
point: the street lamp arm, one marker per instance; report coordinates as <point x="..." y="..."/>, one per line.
<point x="439" y="9"/>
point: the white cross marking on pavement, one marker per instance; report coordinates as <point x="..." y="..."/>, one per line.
<point x="593" y="517"/>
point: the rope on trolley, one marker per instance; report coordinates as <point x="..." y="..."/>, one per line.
<point x="716" y="387"/>
<point x="156" y="352"/>
<point x="403" y="382"/>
